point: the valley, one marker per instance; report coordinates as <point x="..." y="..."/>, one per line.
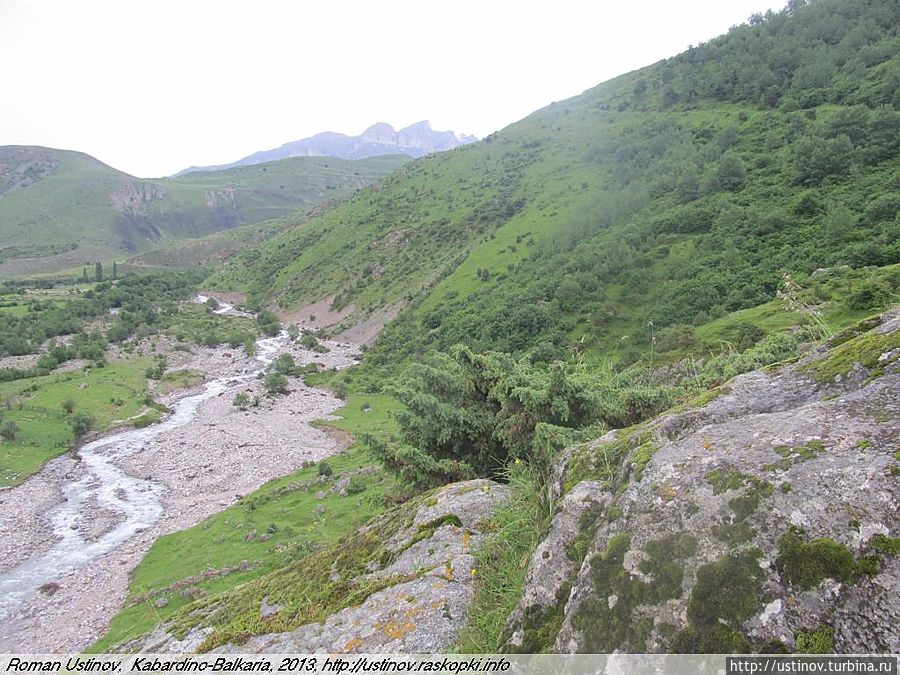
<point x="90" y="518"/>
<point x="63" y="210"/>
<point x="621" y="377"/>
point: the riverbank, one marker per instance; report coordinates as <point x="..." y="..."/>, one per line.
<point x="203" y="466"/>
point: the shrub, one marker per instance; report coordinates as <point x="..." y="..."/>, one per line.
<point x="241" y="400"/>
<point x="284" y="364"/>
<point x="268" y="323"/>
<point x="9" y="430"/>
<point x="81" y="423"/>
<point x="276" y="383"/>
<point x="156" y="371"/>
<point x="470" y="414"/>
<point x="870" y="295"/>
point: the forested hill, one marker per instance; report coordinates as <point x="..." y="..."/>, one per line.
<point x="631" y="217"/>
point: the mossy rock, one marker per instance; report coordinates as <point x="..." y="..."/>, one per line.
<point x="608" y="618"/>
<point x="865" y="350"/>
<point x="726" y="593"/>
<point x="807" y="563"/>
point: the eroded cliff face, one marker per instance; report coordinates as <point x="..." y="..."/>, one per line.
<point x="765" y="519"/>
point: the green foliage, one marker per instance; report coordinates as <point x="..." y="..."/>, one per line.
<point x="275" y="383"/>
<point x="267" y="322"/>
<point x="513" y="532"/>
<point x="9" y="430"/>
<point x="806" y="563"/>
<point x="568" y="232"/>
<point x="817" y="160"/>
<point x="284" y="364"/>
<point x="870" y="295"/>
<point x="730" y="174"/>
<point x="311" y="342"/>
<point x="158" y="369"/>
<point x="819" y="641"/>
<point x="241" y="400"/>
<point x="81" y="423"/>
<point x="471" y="414"/>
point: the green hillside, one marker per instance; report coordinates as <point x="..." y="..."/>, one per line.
<point x="68" y="207"/>
<point x="636" y="212"/>
<point x="714" y="213"/>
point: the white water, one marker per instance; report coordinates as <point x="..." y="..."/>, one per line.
<point x="224" y="307"/>
<point x="137" y="500"/>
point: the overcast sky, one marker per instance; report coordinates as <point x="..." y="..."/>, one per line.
<point x="151" y="87"/>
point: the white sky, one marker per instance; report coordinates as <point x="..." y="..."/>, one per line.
<point x="153" y="86"/>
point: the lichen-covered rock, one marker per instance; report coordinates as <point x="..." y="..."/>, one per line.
<point x="402" y="584"/>
<point x="761" y="519"/>
<point x="553" y="566"/>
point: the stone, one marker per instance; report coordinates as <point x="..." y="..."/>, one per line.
<point x="697" y="551"/>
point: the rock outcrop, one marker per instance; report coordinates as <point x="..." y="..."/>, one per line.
<point x="402" y="584"/>
<point x="765" y="519"/>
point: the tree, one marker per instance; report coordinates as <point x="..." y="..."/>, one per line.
<point x="817" y="159"/>
<point x="470" y="414"/>
<point x="839" y="222"/>
<point x="567" y="294"/>
<point x="81" y="423"/>
<point x="98" y="271"/>
<point x="115" y="271"/>
<point x="68" y="405"/>
<point x="730" y="173"/>
<point x="158" y="369"/>
<point x="268" y="323"/>
<point x="882" y="209"/>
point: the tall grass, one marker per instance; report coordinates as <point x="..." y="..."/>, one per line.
<point x="502" y="560"/>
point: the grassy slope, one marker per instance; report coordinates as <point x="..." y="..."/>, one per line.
<point x="73" y="203"/>
<point x="285" y="508"/>
<point x="111" y="394"/>
<point x="596" y="178"/>
<point x="591" y="192"/>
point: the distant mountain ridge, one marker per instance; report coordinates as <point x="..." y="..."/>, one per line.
<point x="415" y="140"/>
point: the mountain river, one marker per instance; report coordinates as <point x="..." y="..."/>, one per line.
<point x="139" y="501"/>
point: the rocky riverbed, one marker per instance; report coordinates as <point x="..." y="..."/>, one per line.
<point x="199" y="468"/>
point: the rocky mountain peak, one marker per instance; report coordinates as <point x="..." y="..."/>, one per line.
<point x="381" y="138"/>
